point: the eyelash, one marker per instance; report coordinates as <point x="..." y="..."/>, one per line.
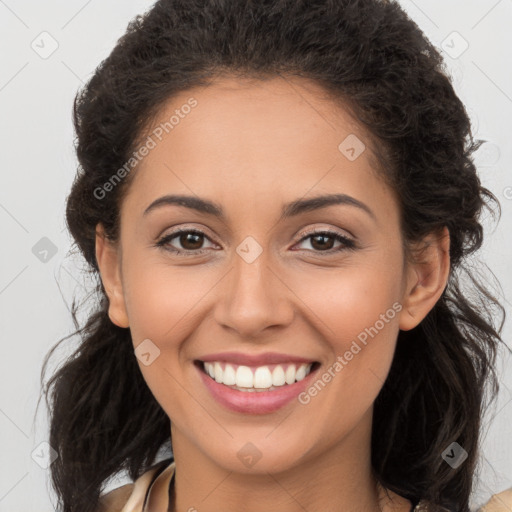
<point x="347" y="243"/>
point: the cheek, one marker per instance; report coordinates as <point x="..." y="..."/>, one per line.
<point x="356" y="311"/>
<point x="165" y="304"/>
<point x="162" y="299"/>
<point x="348" y="301"/>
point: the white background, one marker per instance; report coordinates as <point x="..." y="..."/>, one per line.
<point x="37" y="166"/>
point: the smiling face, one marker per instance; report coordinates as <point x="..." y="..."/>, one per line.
<point x="254" y="279"/>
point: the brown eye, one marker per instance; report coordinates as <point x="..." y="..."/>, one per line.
<point x="323" y="241"/>
<point x="190" y="240"/>
<point x="319" y="242"/>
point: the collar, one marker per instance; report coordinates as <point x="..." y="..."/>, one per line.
<point x="157" y="497"/>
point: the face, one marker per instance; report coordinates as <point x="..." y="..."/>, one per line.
<point x="321" y="283"/>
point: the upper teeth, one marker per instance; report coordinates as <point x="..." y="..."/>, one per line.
<point x="257" y="377"/>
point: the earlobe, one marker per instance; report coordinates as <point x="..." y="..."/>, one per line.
<point x="107" y="258"/>
<point x="426" y="278"/>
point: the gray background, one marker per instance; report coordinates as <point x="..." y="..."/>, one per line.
<point x="37" y="166"/>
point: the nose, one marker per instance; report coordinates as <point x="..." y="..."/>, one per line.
<point x="253" y="298"/>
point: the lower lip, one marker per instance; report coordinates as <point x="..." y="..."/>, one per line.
<point x="255" y="402"/>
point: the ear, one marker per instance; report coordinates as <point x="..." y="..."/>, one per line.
<point x="426" y="279"/>
<point x="108" y="258"/>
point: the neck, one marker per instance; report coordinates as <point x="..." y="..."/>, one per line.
<point x="337" y="478"/>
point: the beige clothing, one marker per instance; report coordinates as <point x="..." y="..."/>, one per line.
<point x="150" y="493"/>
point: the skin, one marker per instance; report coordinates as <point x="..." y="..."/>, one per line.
<point x="252" y="146"/>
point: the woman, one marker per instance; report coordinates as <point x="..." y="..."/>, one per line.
<point x="278" y="199"/>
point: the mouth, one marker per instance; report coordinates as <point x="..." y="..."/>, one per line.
<point x="256" y="378"/>
<point x="255" y="389"/>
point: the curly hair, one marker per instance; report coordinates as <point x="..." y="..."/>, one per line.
<point x="378" y="64"/>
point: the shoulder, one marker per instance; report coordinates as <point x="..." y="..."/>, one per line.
<point x="501" y="502"/>
<point x="115" y="500"/>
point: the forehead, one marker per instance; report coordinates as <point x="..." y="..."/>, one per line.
<point x="280" y="138"/>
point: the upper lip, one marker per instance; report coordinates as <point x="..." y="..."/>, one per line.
<point x="255" y="359"/>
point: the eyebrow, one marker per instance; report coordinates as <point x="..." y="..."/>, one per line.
<point x="289" y="210"/>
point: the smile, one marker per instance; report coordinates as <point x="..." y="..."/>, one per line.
<point x="255" y="389"/>
<point x="261" y="378"/>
